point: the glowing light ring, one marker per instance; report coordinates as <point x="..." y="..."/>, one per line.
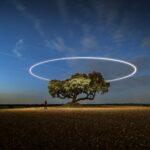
<point x="91" y="58"/>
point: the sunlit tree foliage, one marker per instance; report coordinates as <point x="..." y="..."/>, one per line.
<point x="79" y="87"/>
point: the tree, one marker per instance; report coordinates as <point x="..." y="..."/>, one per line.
<point x="79" y="87"/>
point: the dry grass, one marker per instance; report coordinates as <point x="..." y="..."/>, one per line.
<point x="75" y="128"/>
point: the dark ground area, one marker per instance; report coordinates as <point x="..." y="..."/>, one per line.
<point x="102" y="128"/>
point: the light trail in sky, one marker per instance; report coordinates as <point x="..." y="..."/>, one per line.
<point x="85" y="58"/>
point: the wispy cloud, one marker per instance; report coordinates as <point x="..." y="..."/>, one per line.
<point x="17" y="51"/>
<point x="35" y="21"/>
<point x="22" y="9"/>
<point x="146" y="42"/>
<point x="62" y="8"/>
<point x="119" y="28"/>
<point x="59" y="44"/>
<point x="89" y="42"/>
<point x="142" y="62"/>
<point x="7" y="54"/>
<point x="19" y="6"/>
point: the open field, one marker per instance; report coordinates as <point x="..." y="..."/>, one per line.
<point x="111" y="127"/>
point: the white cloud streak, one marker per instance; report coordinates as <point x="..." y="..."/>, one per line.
<point x="7" y="54"/>
<point x="17" y="51"/>
<point x="58" y="44"/>
<point x="89" y="42"/>
<point x="146" y="42"/>
<point x="36" y="22"/>
<point x="63" y="11"/>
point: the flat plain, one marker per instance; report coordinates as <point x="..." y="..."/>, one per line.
<point x="106" y="128"/>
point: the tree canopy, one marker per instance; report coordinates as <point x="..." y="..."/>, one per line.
<point x="79" y="86"/>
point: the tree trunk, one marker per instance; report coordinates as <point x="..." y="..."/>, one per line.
<point x="73" y="100"/>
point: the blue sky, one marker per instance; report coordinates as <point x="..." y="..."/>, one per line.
<point x="35" y="30"/>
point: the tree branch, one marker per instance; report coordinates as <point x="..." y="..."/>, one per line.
<point x="63" y="96"/>
<point x="90" y="96"/>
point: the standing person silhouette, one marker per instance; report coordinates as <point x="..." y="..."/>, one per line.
<point x="45" y="104"/>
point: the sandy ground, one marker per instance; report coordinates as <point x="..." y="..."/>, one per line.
<point x="117" y="127"/>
